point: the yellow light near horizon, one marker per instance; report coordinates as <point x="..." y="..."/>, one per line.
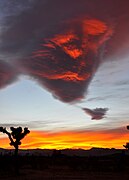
<point x="70" y="139"/>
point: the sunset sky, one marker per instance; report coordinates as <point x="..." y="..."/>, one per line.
<point x="58" y="57"/>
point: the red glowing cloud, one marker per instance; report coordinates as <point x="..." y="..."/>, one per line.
<point x="66" y="62"/>
<point x="61" y="45"/>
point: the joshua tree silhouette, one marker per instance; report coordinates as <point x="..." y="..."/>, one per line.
<point x="127" y="144"/>
<point x="15" y="137"/>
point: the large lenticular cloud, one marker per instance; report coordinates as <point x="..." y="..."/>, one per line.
<point x="66" y="62"/>
<point x="61" y="43"/>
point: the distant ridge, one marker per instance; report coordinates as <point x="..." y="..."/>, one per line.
<point x="67" y="152"/>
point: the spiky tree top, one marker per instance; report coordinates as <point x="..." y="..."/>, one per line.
<point x="15" y="135"/>
<point x="126" y="146"/>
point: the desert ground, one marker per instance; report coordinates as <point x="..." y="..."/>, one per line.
<point x="61" y="167"/>
<point x="61" y="174"/>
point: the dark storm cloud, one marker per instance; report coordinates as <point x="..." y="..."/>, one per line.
<point x="96" y="114"/>
<point x="7" y="74"/>
<point x="26" y="40"/>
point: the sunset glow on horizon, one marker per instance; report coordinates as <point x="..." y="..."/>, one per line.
<point x="72" y="139"/>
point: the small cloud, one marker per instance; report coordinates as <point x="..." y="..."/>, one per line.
<point x="98" y="98"/>
<point x="96" y="114"/>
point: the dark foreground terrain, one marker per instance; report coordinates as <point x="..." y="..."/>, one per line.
<point x="64" y="167"/>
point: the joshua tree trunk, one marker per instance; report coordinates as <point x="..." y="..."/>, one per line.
<point x="16" y="160"/>
<point x="16" y="151"/>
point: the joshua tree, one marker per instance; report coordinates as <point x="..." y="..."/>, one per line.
<point x="127" y="144"/>
<point x="15" y="137"/>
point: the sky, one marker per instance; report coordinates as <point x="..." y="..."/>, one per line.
<point x="60" y="60"/>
